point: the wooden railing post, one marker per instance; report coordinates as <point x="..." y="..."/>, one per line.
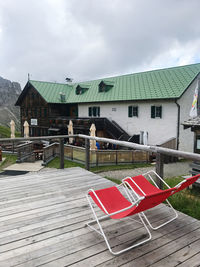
<point x="72" y="153"/>
<point x="61" y="150"/>
<point x="97" y="158"/>
<point x="159" y="168"/>
<point x="87" y="154"/>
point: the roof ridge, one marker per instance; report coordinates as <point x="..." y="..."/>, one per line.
<point x="141" y="72"/>
<point x="50" y="82"/>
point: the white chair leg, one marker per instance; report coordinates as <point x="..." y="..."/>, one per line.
<point x="168" y="221"/>
<point x="101" y="232"/>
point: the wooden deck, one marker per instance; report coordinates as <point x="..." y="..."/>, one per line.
<point x="42" y="218"/>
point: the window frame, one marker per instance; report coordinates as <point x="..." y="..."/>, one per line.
<point x="156" y="111"/>
<point x="94" y="111"/>
<point x="133" y="111"/>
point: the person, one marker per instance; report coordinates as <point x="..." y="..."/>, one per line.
<point x="97" y="146"/>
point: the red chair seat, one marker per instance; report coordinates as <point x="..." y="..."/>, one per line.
<point x="113" y="201"/>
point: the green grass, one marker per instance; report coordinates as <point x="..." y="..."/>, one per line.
<point x="173" y="181"/>
<point x="5" y="132"/>
<point x="186" y="201"/>
<point x="116" y="181"/>
<point x="55" y="163"/>
<point x="10" y="159"/>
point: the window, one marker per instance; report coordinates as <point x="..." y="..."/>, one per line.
<point x="133" y="111"/>
<point x="94" y="111"/>
<point x="156" y="112"/>
<point x="105" y="86"/>
<point x="62" y="97"/>
<point x="81" y="89"/>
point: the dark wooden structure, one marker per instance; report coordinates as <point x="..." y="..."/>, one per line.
<point x="48" y="118"/>
<point x="44" y="118"/>
<point x="194" y="125"/>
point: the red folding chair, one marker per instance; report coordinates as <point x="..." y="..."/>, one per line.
<point x="141" y="196"/>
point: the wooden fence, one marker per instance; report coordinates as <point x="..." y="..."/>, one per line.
<point x="50" y="152"/>
<point x="25" y="153"/>
<point x="96" y="157"/>
<point x="105" y="157"/>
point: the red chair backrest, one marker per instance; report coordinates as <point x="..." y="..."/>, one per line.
<point x="187" y="183"/>
<point x="143" y="183"/>
<point x="112" y="200"/>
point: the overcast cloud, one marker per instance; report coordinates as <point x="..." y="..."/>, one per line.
<point x="88" y="39"/>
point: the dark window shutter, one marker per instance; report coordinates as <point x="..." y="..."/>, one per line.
<point x="160" y="111"/>
<point x="76" y="112"/>
<point x="90" y="111"/>
<point x="137" y="111"/>
<point x="130" y="113"/>
<point x="98" y="111"/>
<point x="153" y="109"/>
<point x="94" y="111"/>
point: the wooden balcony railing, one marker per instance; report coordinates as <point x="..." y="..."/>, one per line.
<point x="159" y="151"/>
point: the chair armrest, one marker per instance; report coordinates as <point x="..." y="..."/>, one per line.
<point x="158" y="176"/>
<point x="135" y="185"/>
<point x="179" y="184"/>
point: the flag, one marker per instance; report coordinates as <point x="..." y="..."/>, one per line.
<point x="193" y="111"/>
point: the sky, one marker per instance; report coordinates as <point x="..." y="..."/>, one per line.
<point x="90" y="39"/>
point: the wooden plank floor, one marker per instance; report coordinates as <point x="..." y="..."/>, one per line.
<point x="42" y="223"/>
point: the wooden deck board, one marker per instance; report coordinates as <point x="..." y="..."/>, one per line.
<point x="42" y="223"/>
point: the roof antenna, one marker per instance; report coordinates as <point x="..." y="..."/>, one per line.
<point x="28" y="76"/>
<point x="68" y="80"/>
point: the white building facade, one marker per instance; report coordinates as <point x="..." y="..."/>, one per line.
<point x="159" y="129"/>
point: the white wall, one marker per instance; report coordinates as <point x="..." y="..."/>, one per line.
<point x="159" y="129"/>
<point x="186" y="141"/>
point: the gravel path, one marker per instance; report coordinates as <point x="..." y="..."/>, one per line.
<point x="170" y="170"/>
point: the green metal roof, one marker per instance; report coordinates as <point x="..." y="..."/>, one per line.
<point x="157" y="84"/>
<point x="51" y="92"/>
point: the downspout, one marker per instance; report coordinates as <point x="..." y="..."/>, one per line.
<point x="178" y="125"/>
